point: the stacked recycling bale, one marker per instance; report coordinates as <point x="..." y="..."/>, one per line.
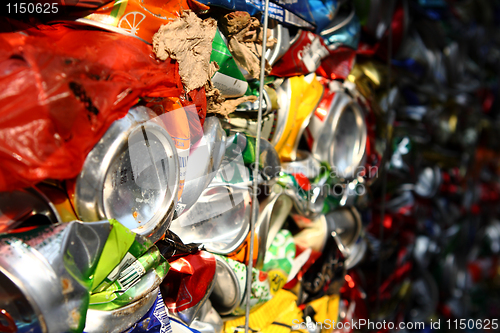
<point x="377" y="162"/>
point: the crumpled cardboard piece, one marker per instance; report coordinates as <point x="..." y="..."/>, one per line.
<point x="189" y="41"/>
<point x="218" y="105"/>
<point x="245" y="36"/>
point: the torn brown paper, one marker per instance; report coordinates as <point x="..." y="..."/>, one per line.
<point x="189" y="41"/>
<point x="245" y="36"/>
<point x="216" y="103"/>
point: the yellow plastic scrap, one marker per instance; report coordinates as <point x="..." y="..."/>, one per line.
<point x="326" y="307"/>
<point x="275" y="316"/>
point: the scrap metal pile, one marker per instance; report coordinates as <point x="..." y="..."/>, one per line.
<point x="137" y="196"/>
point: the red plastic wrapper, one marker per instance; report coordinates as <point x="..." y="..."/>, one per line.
<point x="61" y="88"/>
<point x="303" y="57"/>
<point x="188" y="281"/>
<point x="338" y="64"/>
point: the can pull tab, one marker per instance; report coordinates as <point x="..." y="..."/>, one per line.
<point x="5" y="318"/>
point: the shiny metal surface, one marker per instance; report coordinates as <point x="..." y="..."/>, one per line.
<point x="202" y="326"/>
<point x="283" y="92"/>
<point x="249" y="125"/>
<point x="341" y="140"/>
<point x="228" y="292"/>
<point x="219" y="219"/>
<point x="357" y="253"/>
<point x="19" y="206"/>
<point x="428" y="182"/>
<point x="311" y="206"/>
<point x="346" y="222"/>
<point x="190" y="314"/>
<point x="208" y="320"/>
<point x="204" y="161"/>
<point x="305" y="164"/>
<point x="59" y="289"/>
<point x="131" y="175"/>
<point x="267" y="105"/>
<point x="269" y="161"/>
<point x="339" y="21"/>
<point x="272" y="215"/>
<point x="119" y="320"/>
<point x="282" y="36"/>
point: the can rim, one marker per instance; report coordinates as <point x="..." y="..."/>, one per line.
<point x="89" y="185"/>
<point x="325" y="149"/>
<point x="282" y="45"/>
<point x="336" y="25"/>
<point x="112" y="321"/>
<point x="277" y="205"/>
<point x="228" y="309"/>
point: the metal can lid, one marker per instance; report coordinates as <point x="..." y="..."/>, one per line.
<point x="131" y="175"/>
<point x="219" y="219"/>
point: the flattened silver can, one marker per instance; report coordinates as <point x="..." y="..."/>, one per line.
<point x="131" y="175"/>
<point x="337" y="133"/>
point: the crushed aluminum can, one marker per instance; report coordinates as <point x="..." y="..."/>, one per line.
<point x="179" y="327"/>
<point x="230" y="285"/>
<point x="228" y="79"/>
<point x="276" y="10"/>
<point x="282" y="36"/>
<point x="139" y="19"/>
<point x="338" y="65"/>
<point x="219" y="219"/>
<point x="209" y="320"/>
<point x="228" y="296"/>
<point x="133" y="283"/>
<point x="272" y="215"/>
<point x="314" y="233"/>
<point x="205" y="158"/>
<point x="269" y="102"/>
<point x="58" y="197"/>
<point x="305" y="257"/>
<point x="132" y="175"/>
<point x="268" y="161"/>
<point x="357" y="252"/>
<point x="190" y="282"/>
<point x="319" y="13"/>
<point x="260" y="292"/>
<point x="237" y="122"/>
<point x="303" y="57"/>
<point x="344" y="30"/>
<point x="121" y="319"/>
<point x="279" y="260"/>
<point x="305" y="164"/>
<point x="55" y="299"/>
<point x="156" y="320"/>
<point x="304" y="93"/>
<point x="337" y="133"/>
<point x="346" y="222"/>
<point x="307" y="200"/>
<point x="325" y="275"/>
<point x="20" y="206"/>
